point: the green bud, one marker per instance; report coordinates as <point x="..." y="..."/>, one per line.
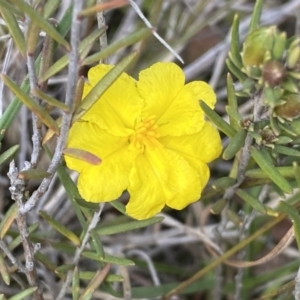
<point x="273" y="72"/>
<point x="293" y="54"/>
<point x="257" y="43"/>
<point x="291" y="108"/>
<point x="279" y="46"/>
<point x="268" y="135"/>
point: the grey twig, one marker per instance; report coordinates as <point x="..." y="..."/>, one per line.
<point x="244" y="159"/>
<point x="36" y="136"/>
<point x="103" y="37"/>
<point x="148" y="24"/>
<point x="242" y="234"/>
<point x="10" y="256"/>
<point x="92" y="225"/>
<point x="17" y="189"/>
<point x="4" y="69"/>
<point x="67" y="116"/>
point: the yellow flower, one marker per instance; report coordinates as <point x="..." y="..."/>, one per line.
<point x="152" y="138"/>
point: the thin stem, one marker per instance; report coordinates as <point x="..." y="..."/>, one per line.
<point x="17" y="190"/>
<point x="93" y="224"/>
<point x="36" y="136"/>
<point x="4" y="69"/>
<point x="148" y="24"/>
<point x="67" y="116"/>
<point x="10" y="256"/>
<point x="103" y="37"/>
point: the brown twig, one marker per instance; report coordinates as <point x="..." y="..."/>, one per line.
<point x="17" y="189"/>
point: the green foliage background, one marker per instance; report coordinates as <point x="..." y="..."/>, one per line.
<point x="54" y="245"/>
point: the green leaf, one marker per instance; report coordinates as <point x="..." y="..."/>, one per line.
<point x="252" y="201"/>
<point x="255" y="19"/>
<point x="41" y="22"/>
<point x="294" y="215"/>
<point x="50" y="100"/>
<point x="286" y="172"/>
<point x="118" y="205"/>
<point x="8" y="219"/>
<point x="232" y="108"/>
<point x="128" y="226"/>
<point x="72" y="193"/>
<point x="44" y="259"/>
<point x="223" y="183"/>
<point x="270" y="170"/>
<point x="235" y="70"/>
<point x="235" y="42"/>
<point x="108" y="258"/>
<point x="64" y="268"/>
<point x="31" y="104"/>
<point x="60" y="228"/>
<point x="95" y="282"/>
<point x="97" y="242"/>
<point x="218" y="206"/>
<point x="286" y="150"/>
<point x="50" y="7"/>
<point x="235" y="144"/>
<point x="296" y="173"/>
<point x="8" y="154"/>
<point x="83" y="155"/>
<point x="130" y="39"/>
<point x="11" y="8"/>
<point x="33" y="174"/>
<point x="217" y="120"/>
<point x="109" y="278"/>
<point x="3" y="270"/>
<point x="75" y="284"/>
<point x="99" y="89"/>
<point x="32" y="36"/>
<point x="17" y="241"/>
<point x="23" y="294"/>
<point x="14" y="107"/>
<point x="87" y="43"/>
<point x="14" y="29"/>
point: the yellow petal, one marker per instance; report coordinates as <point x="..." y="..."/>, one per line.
<point x="159" y="85"/>
<point x="90" y="137"/>
<point x="158" y="177"/>
<point x="183" y="115"/>
<point x="107" y="181"/>
<point x="203" y="91"/>
<point x="119" y="107"/>
<point x="147" y="179"/>
<point x="204" y="146"/>
<point x="185" y="182"/>
<point x="175" y="106"/>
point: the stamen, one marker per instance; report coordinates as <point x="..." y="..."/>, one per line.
<point x="145" y="134"/>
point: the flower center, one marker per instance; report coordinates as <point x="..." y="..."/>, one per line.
<point x="145" y="134"/>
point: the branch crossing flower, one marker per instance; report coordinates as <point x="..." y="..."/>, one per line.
<point x="152" y="138"/>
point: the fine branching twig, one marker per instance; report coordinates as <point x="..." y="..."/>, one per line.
<point x="67" y="116"/>
<point x="17" y="189"/>
<point x="36" y="136"/>
<point x="148" y="24"/>
<point x="103" y="37"/>
<point x="92" y="225"/>
<point x="11" y="257"/>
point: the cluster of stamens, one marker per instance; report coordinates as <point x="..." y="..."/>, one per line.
<point x="145" y="134"/>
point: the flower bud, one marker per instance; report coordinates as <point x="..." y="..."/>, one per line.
<point x="268" y="135"/>
<point x="256" y="44"/>
<point x="291" y="108"/>
<point x="273" y="72"/>
<point x="293" y="54"/>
